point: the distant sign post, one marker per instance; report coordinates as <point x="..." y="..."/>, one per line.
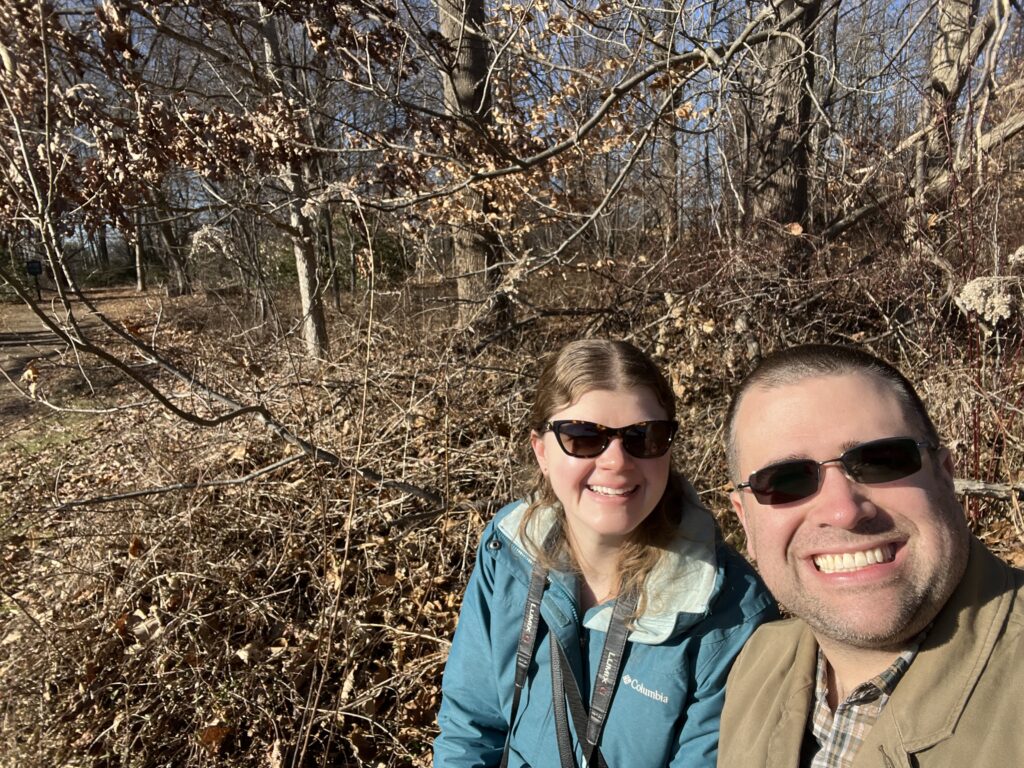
<point x="35" y="268"/>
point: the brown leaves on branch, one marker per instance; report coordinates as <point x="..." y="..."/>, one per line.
<point x="147" y="92"/>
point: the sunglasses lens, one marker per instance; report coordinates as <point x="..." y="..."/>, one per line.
<point x="581" y="439"/>
<point x="786" y="482"/>
<point x="883" y="460"/>
<point x="648" y="440"/>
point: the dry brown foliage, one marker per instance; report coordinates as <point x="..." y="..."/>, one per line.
<point x="304" y="617"/>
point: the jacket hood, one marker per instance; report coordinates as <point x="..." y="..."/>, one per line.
<point x="680" y="588"/>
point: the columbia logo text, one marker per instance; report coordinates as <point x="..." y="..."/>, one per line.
<point x="642" y="689"/>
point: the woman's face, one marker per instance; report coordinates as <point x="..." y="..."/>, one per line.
<point x="605" y="497"/>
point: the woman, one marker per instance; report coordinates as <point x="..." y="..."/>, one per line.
<point x="609" y="584"/>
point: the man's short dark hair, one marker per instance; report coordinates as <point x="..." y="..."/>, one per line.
<point x="793" y="364"/>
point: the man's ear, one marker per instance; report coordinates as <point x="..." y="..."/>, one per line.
<point x="944" y="460"/>
<point x="537" y="443"/>
<point x="736" y="497"/>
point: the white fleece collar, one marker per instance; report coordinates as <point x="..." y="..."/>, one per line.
<point x="680" y="588"/>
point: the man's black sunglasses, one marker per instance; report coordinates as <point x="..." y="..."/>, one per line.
<point x="879" y="461"/>
<point x="585" y="439"/>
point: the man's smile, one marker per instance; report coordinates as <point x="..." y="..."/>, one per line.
<point x="843" y="562"/>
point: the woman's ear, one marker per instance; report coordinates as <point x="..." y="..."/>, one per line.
<point x="537" y="443"/>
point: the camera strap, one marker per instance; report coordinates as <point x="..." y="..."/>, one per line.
<point x="528" y="635"/>
<point x="588" y="726"/>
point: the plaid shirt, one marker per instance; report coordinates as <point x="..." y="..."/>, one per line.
<point x="840" y="735"/>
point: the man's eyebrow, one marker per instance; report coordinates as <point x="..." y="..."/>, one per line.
<point x="798" y="456"/>
<point x="784" y="458"/>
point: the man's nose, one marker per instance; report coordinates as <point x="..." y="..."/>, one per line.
<point x="841" y="502"/>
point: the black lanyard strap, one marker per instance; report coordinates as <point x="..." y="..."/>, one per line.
<point x="559" y="665"/>
<point x="528" y="635"/>
<point x="589" y="728"/>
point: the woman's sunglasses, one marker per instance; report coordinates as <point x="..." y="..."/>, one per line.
<point x="879" y="461"/>
<point x="585" y="439"/>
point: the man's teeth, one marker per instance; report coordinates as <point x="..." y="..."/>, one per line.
<point x="604" y="490"/>
<point x="851" y="561"/>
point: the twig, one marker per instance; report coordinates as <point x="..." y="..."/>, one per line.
<point x="28" y="614"/>
<point x="179" y="486"/>
<point x="1002" y="491"/>
<point x="363" y="472"/>
<point x="397" y="485"/>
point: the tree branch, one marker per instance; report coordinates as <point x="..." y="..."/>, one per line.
<point x="1001" y="491"/>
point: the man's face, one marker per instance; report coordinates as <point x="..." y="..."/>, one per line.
<point x="905" y="542"/>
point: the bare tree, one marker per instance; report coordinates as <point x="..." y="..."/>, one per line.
<point x="301" y="227"/>
<point x="467" y="98"/>
<point x="779" y="123"/>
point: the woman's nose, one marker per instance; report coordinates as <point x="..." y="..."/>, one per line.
<point x="614" y="455"/>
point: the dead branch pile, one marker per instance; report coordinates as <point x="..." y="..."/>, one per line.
<point x="303" y="617"/>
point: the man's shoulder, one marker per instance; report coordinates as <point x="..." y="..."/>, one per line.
<point x="776" y="644"/>
<point x="773" y="633"/>
<point x="768" y="695"/>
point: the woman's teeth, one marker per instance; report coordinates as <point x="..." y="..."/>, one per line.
<point x="606" y="491"/>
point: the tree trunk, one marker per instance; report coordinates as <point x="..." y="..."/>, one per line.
<point x="946" y="80"/>
<point x="175" y="259"/>
<point x="102" y="251"/>
<point x="670" y="196"/>
<point x="314" y="323"/>
<point x="293" y="174"/>
<point x="476" y="247"/>
<point x="779" y="124"/>
<point x="139" y="248"/>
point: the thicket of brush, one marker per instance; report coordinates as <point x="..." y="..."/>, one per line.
<point x="303" y="617"/>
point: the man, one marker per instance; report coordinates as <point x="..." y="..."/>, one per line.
<point x="906" y="647"/>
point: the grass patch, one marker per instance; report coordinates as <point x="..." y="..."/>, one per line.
<point x="46" y="430"/>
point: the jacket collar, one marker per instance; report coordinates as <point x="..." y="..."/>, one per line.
<point x="928" y="702"/>
<point x="680" y="588"/>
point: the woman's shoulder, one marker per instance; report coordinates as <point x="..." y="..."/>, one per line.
<point x="737" y="582"/>
<point x="508" y="509"/>
<point x="505" y="523"/>
<point x="501" y="534"/>
<point x="502" y="565"/>
<point x="741" y="586"/>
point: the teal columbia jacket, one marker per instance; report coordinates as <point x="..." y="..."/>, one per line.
<point x="704" y="601"/>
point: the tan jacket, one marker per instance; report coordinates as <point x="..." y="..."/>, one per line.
<point x="961" y="703"/>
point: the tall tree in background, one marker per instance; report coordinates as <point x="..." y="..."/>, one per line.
<point x="467" y="98"/>
<point x="300" y="223"/>
<point x="779" y="121"/>
<point x="531" y="136"/>
<point x="945" y="142"/>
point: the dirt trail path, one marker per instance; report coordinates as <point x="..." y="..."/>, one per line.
<point x="24" y="338"/>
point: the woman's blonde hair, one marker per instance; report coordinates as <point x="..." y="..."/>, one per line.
<point x="577" y="368"/>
